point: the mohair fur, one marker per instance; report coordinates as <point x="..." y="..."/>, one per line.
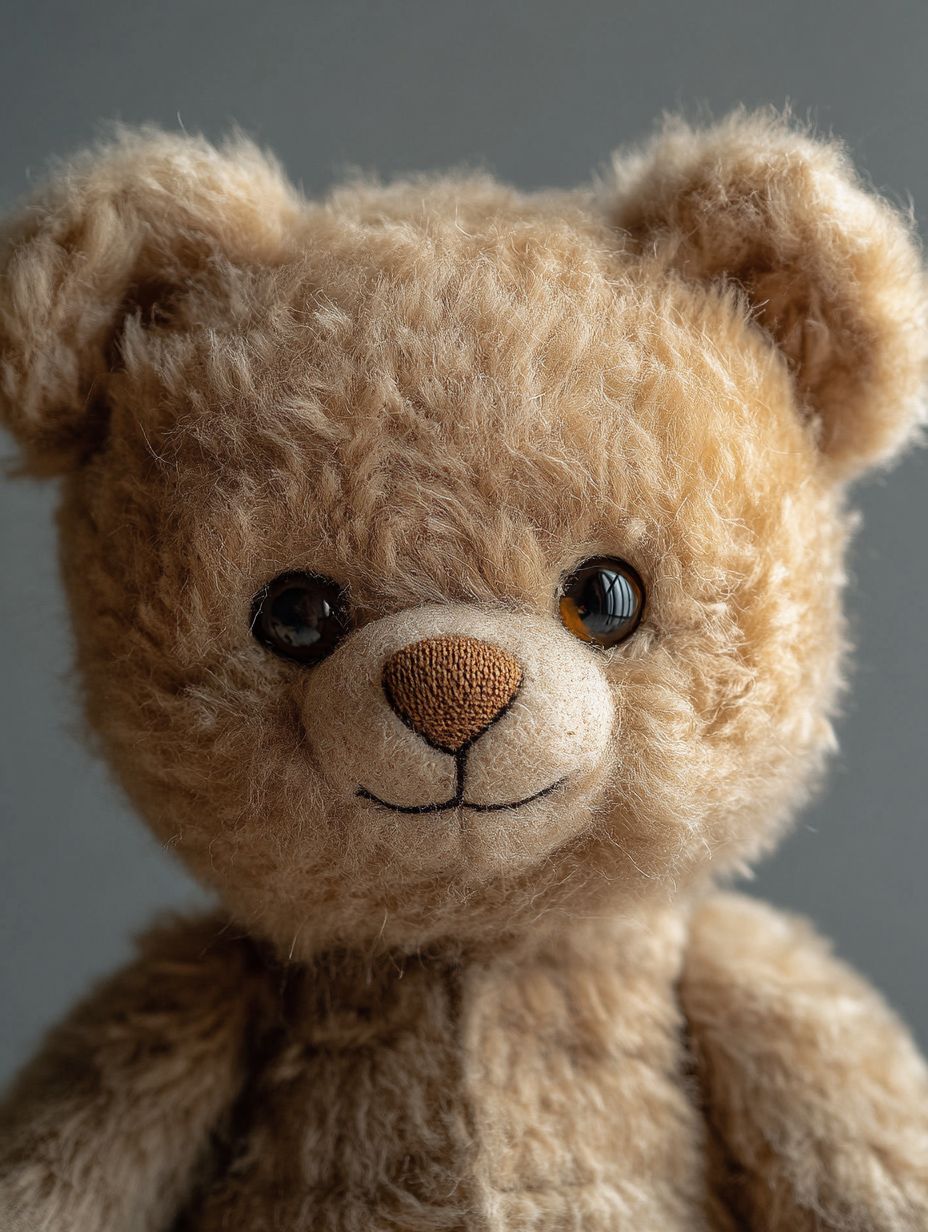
<point x="445" y="394"/>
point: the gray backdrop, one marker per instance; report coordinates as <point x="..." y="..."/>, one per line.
<point x="539" y="92"/>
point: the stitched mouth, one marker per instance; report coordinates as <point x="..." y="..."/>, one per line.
<point x="457" y="802"/>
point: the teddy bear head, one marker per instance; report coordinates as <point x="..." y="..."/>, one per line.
<point x="444" y="558"/>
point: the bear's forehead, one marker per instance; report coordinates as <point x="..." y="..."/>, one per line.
<point x="498" y="370"/>
<point x="451" y="407"/>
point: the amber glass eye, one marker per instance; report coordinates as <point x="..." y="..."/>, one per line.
<point x="301" y="616"/>
<point x="602" y="601"/>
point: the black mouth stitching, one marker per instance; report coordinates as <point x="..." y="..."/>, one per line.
<point x="458" y="801"/>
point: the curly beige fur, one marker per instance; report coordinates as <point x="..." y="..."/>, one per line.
<point x="525" y="1010"/>
<point x="816" y="1089"/>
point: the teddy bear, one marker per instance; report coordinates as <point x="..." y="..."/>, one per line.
<point x="456" y="580"/>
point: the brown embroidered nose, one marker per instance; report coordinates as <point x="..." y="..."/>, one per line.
<point x="450" y="689"/>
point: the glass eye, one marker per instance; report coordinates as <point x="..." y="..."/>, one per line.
<point x="602" y="601"/>
<point x="301" y="616"/>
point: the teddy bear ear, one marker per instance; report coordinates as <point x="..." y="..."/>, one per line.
<point x="831" y="272"/>
<point x="119" y="231"/>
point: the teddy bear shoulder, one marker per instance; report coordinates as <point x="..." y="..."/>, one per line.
<point x="815" y="1093"/>
<point x="152" y="1059"/>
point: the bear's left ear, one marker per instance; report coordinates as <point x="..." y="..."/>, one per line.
<point x="122" y="231"/>
<point x="829" y="270"/>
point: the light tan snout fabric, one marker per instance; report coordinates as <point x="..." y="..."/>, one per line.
<point x="495" y="719"/>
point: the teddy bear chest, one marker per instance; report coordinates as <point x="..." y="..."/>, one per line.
<point x="483" y="1098"/>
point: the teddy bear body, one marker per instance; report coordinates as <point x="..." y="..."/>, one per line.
<point x="504" y="1092"/>
<point x="456" y="583"/>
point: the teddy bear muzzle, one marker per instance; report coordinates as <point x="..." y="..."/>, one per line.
<point x="461" y="709"/>
<point x="450" y="691"/>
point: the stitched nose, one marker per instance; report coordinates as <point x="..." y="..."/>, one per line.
<point x="450" y="689"/>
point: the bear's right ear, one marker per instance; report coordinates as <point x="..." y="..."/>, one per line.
<point x="831" y="273"/>
<point x="123" y="226"/>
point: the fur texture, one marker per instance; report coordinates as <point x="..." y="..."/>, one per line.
<point x="125" y="1095"/>
<point x="444" y="395"/>
<point x="817" y="1092"/>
